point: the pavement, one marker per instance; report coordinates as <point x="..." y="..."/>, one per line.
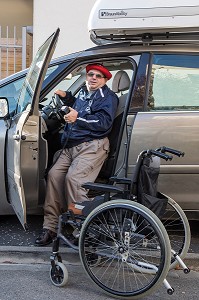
<point x="17" y="245"/>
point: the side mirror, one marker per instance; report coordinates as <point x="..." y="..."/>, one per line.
<point x="4" y="108"/>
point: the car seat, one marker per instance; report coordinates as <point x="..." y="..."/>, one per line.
<point x="121" y="83"/>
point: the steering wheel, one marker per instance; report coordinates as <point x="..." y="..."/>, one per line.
<point x="54" y="112"/>
<point x="57" y="102"/>
<point x="59" y="108"/>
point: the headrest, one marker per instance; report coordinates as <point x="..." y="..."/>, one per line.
<point x="121" y="82"/>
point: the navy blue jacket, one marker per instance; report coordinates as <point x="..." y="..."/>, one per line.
<point x="95" y="118"/>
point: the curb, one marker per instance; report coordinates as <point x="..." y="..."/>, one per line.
<point x="63" y="249"/>
<point x="10" y="255"/>
<point x="33" y="249"/>
<point x="35" y="255"/>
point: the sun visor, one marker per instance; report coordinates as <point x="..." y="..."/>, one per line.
<point x="143" y="21"/>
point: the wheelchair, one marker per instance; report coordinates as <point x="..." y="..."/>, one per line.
<point x="129" y="237"/>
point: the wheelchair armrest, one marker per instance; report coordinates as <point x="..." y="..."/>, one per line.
<point x="106" y="188"/>
<point x="120" y="180"/>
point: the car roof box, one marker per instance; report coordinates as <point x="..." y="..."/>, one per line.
<point x="144" y="21"/>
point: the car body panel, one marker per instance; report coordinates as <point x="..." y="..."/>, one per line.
<point x="5" y="208"/>
<point x="178" y="130"/>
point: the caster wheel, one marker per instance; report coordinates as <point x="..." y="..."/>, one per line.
<point x="186" y="271"/>
<point x="59" y="274"/>
<point x="170" y="291"/>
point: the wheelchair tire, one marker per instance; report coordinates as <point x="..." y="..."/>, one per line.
<point x="133" y="247"/>
<point x="177" y="226"/>
<point x="59" y="274"/>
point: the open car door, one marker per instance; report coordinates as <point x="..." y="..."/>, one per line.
<point x="23" y="132"/>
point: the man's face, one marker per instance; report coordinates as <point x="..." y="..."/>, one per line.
<point x="95" y="79"/>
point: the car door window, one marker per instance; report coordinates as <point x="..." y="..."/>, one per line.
<point x="74" y="81"/>
<point x="174" y="83"/>
<point x="65" y="85"/>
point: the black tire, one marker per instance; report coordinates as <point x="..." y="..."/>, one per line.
<point x="133" y="247"/>
<point x="59" y="274"/>
<point x="178" y="229"/>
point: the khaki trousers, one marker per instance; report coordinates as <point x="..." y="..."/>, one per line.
<point x="75" y="166"/>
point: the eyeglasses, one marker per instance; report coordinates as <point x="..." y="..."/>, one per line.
<point x="91" y="74"/>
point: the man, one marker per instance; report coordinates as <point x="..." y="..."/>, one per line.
<point x="86" y="147"/>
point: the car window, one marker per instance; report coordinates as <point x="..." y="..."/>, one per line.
<point x="11" y="92"/>
<point x="174" y="83"/>
<point x="75" y="80"/>
<point x="12" y="89"/>
<point x="65" y="85"/>
<point x="32" y="80"/>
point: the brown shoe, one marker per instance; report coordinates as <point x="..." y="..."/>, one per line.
<point x="76" y="208"/>
<point x="45" y="238"/>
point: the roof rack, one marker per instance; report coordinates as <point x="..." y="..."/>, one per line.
<point x="148" y="38"/>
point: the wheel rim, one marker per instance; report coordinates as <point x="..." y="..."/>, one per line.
<point x="57" y="274"/>
<point x="178" y="229"/>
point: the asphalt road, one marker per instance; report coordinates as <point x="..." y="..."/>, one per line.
<point x="24" y="268"/>
<point x="33" y="282"/>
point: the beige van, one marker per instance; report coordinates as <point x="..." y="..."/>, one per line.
<point x="155" y="75"/>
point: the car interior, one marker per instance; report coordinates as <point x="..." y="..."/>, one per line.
<point x="53" y="123"/>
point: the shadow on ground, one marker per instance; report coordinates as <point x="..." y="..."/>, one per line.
<point x="13" y="234"/>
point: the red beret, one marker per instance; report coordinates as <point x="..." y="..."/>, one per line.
<point x="100" y="68"/>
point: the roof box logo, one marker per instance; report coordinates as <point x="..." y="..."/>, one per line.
<point x="110" y="13"/>
<point x="149" y="12"/>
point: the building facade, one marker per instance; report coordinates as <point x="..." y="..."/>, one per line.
<point x="70" y="16"/>
<point x="26" y="24"/>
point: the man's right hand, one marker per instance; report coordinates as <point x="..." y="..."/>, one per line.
<point x="60" y="93"/>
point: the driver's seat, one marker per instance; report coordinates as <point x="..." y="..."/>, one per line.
<point x="121" y="83"/>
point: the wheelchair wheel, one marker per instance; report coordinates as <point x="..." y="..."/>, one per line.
<point x="178" y="229"/>
<point x="59" y="274"/>
<point x="133" y="247"/>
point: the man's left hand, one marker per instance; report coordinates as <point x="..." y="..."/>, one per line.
<point x="71" y="117"/>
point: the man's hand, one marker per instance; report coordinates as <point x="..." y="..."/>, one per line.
<point x="60" y="93"/>
<point x="71" y="117"/>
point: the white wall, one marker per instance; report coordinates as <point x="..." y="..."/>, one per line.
<point x="71" y="16"/>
